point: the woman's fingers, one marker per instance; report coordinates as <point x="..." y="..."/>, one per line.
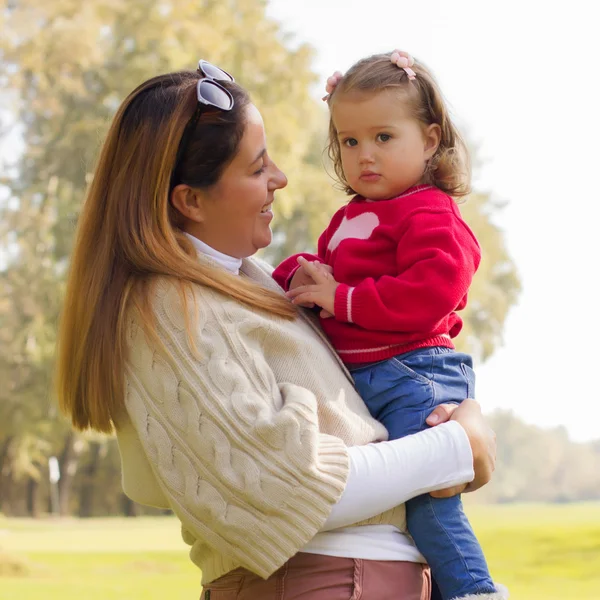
<point x="441" y="414"/>
<point x="449" y="492"/>
<point x="482" y="439"/>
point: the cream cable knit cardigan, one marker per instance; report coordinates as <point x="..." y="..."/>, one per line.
<point x="246" y="443"/>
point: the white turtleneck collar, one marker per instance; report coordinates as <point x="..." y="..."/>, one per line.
<point x="228" y="262"/>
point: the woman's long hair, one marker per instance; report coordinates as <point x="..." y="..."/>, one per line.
<point x="128" y="235"/>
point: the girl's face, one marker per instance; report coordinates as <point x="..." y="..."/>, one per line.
<point x="384" y="149"/>
<point x="234" y="215"/>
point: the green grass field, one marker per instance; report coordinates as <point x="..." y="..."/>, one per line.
<point x="541" y="552"/>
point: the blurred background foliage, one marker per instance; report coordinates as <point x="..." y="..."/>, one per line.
<point x="65" y="66"/>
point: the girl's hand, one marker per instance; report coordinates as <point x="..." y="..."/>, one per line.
<point x="481" y="437"/>
<point x="302" y="278"/>
<point x="320" y="292"/>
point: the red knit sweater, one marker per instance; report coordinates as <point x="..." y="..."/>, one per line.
<point x="404" y="266"/>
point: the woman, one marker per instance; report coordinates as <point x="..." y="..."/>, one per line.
<point x="229" y="405"/>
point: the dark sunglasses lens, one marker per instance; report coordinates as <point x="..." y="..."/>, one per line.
<point x="214" y="72"/>
<point x="214" y="95"/>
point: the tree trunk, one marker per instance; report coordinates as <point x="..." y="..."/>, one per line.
<point x="5" y="475"/>
<point x="68" y="460"/>
<point x="33" y="498"/>
<point x="130" y="508"/>
<point x="89" y="472"/>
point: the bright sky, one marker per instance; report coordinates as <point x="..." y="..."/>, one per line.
<point x="522" y="79"/>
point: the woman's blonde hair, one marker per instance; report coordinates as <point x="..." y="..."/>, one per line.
<point x="449" y="169"/>
<point x="128" y="236"/>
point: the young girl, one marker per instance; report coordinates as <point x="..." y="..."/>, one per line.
<point x="392" y="269"/>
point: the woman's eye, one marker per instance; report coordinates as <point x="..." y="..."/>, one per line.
<point x="261" y="170"/>
<point x="350" y="142"/>
<point x="384" y="137"/>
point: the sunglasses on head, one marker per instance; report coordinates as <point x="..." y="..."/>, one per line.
<point x="210" y="93"/>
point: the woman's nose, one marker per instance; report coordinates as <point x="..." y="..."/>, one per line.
<point x="278" y="179"/>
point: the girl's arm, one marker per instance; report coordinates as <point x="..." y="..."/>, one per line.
<point x="436" y="258"/>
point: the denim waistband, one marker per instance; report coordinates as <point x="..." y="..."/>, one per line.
<point x="426" y="349"/>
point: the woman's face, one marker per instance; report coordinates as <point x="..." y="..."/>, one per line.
<point x="236" y="212"/>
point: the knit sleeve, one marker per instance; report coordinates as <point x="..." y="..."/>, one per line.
<point x="239" y="455"/>
<point x="436" y="258"/>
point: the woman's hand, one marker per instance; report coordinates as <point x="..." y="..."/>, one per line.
<point x="481" y="437"/>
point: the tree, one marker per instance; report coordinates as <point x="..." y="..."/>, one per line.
<point x="496" y="284"/>
<point x="65" y="66"/>
<point x="540" y="465"/>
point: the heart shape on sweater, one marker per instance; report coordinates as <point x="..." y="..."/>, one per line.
<point x="358" y="228"/>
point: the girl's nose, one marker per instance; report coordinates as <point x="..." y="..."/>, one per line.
<point x="365" y="156"/>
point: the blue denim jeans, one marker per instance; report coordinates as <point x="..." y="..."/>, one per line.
<point x="401" y="392"/>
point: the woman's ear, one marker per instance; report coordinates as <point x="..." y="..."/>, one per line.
<point x="432" y="136"/>
<point x="189" y="202"/>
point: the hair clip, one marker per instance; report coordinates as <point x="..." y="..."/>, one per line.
<point x="331" y="84"/>
<point x="403" y="60"/>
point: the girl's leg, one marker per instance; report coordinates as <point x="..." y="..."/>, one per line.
<point x="445" y="537"/>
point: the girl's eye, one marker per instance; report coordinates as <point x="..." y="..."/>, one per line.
<point x="350" y="142"/>
<point x="261" y="170"/>
<point x="384" y="137"/>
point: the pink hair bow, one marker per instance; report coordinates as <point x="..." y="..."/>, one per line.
<point x="331" y="84"/>
<point x="403" y="60"/>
